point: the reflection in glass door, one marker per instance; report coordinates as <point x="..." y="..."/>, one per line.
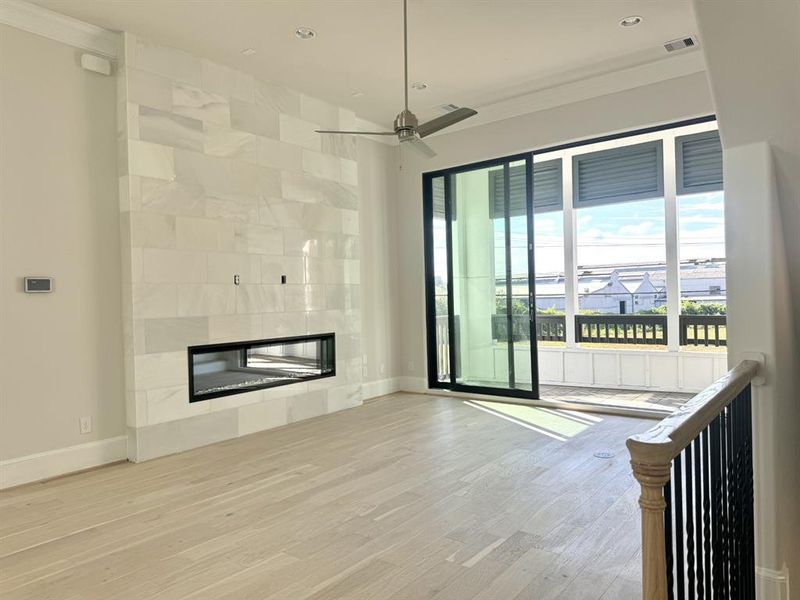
<point x="479" y="272"/>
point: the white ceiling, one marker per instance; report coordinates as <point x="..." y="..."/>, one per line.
<point x="470" y="52"/>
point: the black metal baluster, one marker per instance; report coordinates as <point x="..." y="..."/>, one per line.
<point x="724" y="501"/>
<point x="749" y="551"/>
<point x="689" y="497"/>
<point x="698" y="512"/>
<point x="679" y="571"/>
<point x="715" y="455"/>
<point x="707" y="511"/>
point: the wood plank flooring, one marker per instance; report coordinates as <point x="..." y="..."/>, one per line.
<point x="409" y="497"/>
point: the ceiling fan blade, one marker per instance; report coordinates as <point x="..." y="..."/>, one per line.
<point x="355" y="132"/>
<point x="420" y="147"/>
<point x="447" y="120"/>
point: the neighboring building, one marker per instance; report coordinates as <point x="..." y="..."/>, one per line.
<point x="629" y="288"/>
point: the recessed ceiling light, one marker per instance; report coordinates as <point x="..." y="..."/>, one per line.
<point x="631" y="21"/>
<point x="305" y="33"/>
<point x="248" y="51"/>
<point x="419" y="86"/>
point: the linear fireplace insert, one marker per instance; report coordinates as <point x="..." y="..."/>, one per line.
<point x="233" y="368"/>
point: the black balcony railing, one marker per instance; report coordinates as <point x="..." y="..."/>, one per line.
<point x="703" y="330"/>
<point x="549" y="328"/>
<point x="621" y="329"/>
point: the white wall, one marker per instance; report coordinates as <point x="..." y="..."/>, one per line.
<point x="377" y="180"/>
<point x="756" y="89"/>
<point x="664" y="102"/>
<point x="60" y="353"/>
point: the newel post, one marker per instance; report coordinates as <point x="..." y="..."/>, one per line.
<point x="652" y="479"/>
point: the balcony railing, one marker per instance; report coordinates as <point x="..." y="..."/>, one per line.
<point x="695" y="330"/>
<point x="621" y="329"/>
<point x="703" y="330"/>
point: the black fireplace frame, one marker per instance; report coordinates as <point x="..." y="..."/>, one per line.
<point x="243" y="346"/>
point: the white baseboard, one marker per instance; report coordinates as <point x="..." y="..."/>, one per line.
<point x="416" y="385"/>
<point x="373" y="389"/>
<point x="43" y="465"/>
<point x="771" y="584"/>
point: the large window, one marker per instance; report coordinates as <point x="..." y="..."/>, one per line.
<point x="621" y="239"/>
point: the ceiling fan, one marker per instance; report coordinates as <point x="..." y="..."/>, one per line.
<point x="406" y="126"/>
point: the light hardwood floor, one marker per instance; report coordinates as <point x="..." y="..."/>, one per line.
<point x="409" y="497"/>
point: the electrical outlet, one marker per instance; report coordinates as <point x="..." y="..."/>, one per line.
<point x="411" y="366"/>
<point x="383" y="369"/>
<point x="85" y="424"/>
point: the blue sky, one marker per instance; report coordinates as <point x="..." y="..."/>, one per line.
<point x="613" y="234"/>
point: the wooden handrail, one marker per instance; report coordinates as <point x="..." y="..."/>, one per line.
<point x="662" y="443"/>
<point x="652" y="453"/>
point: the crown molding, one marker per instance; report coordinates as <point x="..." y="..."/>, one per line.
<point x="590" y="86"/>
<point x="58" y="27"/>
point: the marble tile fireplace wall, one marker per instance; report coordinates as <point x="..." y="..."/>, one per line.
<point x="223" y="175"/>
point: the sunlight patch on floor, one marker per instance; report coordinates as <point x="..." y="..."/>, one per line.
<point x="556" y="424"/>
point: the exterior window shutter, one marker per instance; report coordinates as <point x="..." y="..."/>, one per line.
<point x="546" y="189"/>
<point x="438" y="197"/>
<point x="698" y="162"/>
<point x="620" y="174"/>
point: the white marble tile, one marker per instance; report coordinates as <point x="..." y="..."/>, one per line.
<point x="231" y="143"/>
<point x="173" y="266"/>
<point x="193" y="233"/>
<point x="200" y="104"/>
<point x="279" y="155"/>
<point x="257" y="239"/>
<point x="236" y="400"/>
<point x="259" y="298"/>
<point x="319" y="217"/>
<point x="168" y="62"/>
<point x="222" y="266"/>
<point x="324" y="166"/>
<point x="151" y="160"/>
<point x="352" y="272"/>
<point x="136" y="265"/>
<point x="149" y="89"/>
<point x="347" y="119"/>
<point x="212" y="173"/>
<point x="171" y="197"/>
<point x="283" y="324"/>
<point x="263" y="415"/>
<point x="244" y="209"/>
<point x="207" y="429"/>
<point x="307" y="406"/>
<point x="300" y="187"/>
<point x="299" y="242"/>
<point x="343" y="396"/>
<point x="155" y="371"/>
<point x="342" y="297"/>
<point x="349" y="171"/>
<point x="172" y="403"/>
<point x="304" y="297"/>
<point x="252" y="118"/>
<point x="343" y="146"/>
<point x="170" y="129"/>
<point x="168" y="335"/>
<point x="317" y="111"/>
<point x="299" y="132"/>
<point x="228" y="82"/>
<point x="152" y="230"/>
<point x="234" y="328"/>
<point x="277" y="97"/>
<point x="204" y="299"/>
<point x="272" y="267"/>
<point x="253" y="180"/>
<point x="154" y="301"/>
<point x="350" y="222"/>
<point x="281" y="214"/>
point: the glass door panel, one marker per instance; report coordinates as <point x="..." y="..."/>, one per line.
<point x="479" y="270"/>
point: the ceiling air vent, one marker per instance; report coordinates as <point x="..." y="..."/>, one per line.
<point x="449" y="107"/>
<point x="680" y="44"/>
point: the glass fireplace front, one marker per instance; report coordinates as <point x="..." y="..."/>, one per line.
<point x="223" y="369"/>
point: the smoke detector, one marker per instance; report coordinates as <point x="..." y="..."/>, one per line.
<point x="680" y="44"/>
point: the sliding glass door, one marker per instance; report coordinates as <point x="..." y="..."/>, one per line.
<point x="479" y="273"/>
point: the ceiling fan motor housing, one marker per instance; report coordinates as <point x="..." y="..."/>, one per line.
<point x="405" y="121"/>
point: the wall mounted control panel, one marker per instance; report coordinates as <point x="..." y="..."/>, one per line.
<point x="38" y="285"/>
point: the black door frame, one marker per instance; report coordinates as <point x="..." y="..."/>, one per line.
<point x="430" y="287"/>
